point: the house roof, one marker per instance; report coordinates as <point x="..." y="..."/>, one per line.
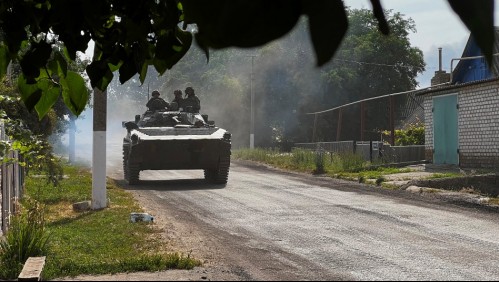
<point x="430" y="90"/>
<point x="472" y="50"/>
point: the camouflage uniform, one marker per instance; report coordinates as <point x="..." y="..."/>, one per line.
<point x="178" y="99"/>
<point x="156" y="103"/>
<point x="192" y="100"/>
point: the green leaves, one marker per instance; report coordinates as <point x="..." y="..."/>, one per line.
<point x="170" y="49"/>
<point x="58" y="65"/>
<point x="75" y="93"/>
<point x="130" y="36"/>
<point x="32" y="94"/>
<point x="100" y="74"/>
<point x="380" y="16"/>
<point x="35" y="58"/>
<point x="227" y="23"/>
<point x="44" y="93"/>
<point x="328" y="15"/>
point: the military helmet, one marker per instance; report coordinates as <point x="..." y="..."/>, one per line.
<point x="189" y="91"/>
<point x="155" y="93"/>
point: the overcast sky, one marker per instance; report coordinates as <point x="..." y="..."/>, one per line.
<point x="437" y="26"/>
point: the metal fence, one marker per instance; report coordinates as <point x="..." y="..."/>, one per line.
<point x="374" y="151"/>
<point x="11" y="183"/>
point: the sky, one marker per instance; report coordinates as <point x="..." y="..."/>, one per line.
<point x="437" y="26"/>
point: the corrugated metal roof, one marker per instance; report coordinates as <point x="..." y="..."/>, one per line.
<point x="471" y="49"/>
<point x="462" y="66"/>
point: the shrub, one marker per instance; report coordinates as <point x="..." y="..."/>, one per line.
<point x="380" y="180"/>
<point x="25" y="238"/>
<point x="362" y="179"/>
<point x="319" y="162"/>
<point x="413" y="134"/>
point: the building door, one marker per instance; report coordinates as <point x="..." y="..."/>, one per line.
<point x="445" y="130"/>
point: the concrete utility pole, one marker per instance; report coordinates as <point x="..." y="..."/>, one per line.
<point x="99" y="193"/>
<point x="72" y="139"/>
<point x="252" y="107"/>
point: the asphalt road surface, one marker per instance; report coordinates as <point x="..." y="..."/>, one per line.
<point x="268" y="224"/>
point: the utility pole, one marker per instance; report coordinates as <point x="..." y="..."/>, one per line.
<point x="148" y="83"/>
<point x="72" y="139"/>
<point x="252" y="107"/>
<point x="99" y="193"/>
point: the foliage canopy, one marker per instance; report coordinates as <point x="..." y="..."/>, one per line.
<point x="131" y="35"/>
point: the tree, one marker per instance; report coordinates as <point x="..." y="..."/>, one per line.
<point x="28" y="134"/>
<point x="368" y="65"/>
<point x="129" y="36"/>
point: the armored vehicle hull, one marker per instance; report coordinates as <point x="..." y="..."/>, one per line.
<point x="176" y="140"/>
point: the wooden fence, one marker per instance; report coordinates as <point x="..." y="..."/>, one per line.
<point x="11" y="183"/>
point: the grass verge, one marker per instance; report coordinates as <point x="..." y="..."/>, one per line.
<point x="444" y="175"/>
<point x="100" y="241"/>
<point x="344" y="166"/>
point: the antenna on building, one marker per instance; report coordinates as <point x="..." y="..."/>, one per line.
<point x="440" y="59"/>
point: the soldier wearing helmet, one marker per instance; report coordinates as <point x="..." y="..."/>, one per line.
<point x="177" y="104"/>
<point x="191" y="102"/>
<point x="156" y="103"/>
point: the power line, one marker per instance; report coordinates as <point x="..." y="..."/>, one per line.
<point x="377" y="97"/>
<point x="375" y="64"/>
<point x="427" y="68"/>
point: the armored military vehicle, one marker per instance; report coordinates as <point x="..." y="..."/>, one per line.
<point x="167" y="140"/>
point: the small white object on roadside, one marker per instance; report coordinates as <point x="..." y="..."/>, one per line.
<point x="141" y="216"/>
<point x="82" y="206"/>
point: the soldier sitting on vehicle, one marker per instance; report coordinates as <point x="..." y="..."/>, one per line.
<point x="156" y="103"/>
<point x="177" y="104"/>
<point x="192" y="103"/>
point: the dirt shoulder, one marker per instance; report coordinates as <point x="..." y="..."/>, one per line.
<point x="450" y="183"/>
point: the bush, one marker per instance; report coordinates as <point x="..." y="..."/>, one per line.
<point x="25" y="238"/>
<point x="380" y="180"/>
<point x="412" y="135"/>
<point x="362" y="179"/>
<point x="319" y="162"/>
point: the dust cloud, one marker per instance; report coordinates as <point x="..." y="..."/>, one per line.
<point x="280" y="76"/>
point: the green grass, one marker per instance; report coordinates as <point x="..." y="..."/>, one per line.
<point x="381" y="171"/>
<point x="494" y="201"/>
<point x="343" y="166"/>
<point x="101" y="241"/>
<point x="298" y="160"/>
<point x="444" y="175"/>
<point x="26" y="238"/>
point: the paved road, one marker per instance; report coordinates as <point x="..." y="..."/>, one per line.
<point x="274" y="225"/>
